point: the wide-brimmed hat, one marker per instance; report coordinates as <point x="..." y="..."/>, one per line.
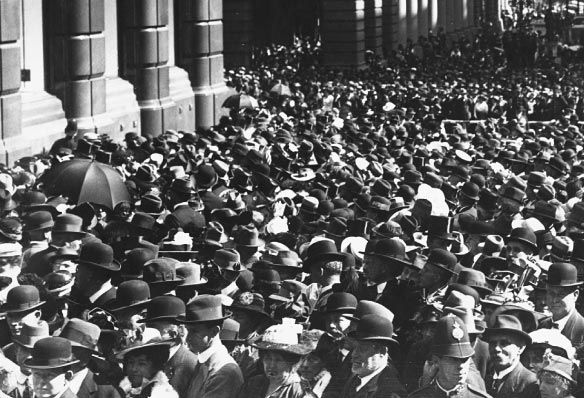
<point x="374" y="328"/>
<point x="393" y="251"/>
<point x="451" y="338"/>
<point x="475" y="279"/>
<point x="509" y="325"/>
<point x="83" y="336"/>
<point x="203" y="308"/>
<point x="161" y="272"/>
<point x="51" y="353"/>
<point x="287" y="261"/>
<point x="99" y="255"/>
<point x="303" y="174"/>
<point x="248" y="237"/>
<point x="164" y="308"/>
<point x="11" y="228"/>
<point x="562" y="275"/>
<point x="523" y="235"/>
<point x="153" y="342"/>
<point x="22" y="298"/>
<point x="31" y="333"/>
<point x="253" y="302"/>
<point x="282" y="338"/>
<point x="443" y="259"/>
<point x="131" y="294"/>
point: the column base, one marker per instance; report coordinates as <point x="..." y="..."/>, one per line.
<point x="183" y="96"/>
<point x="208" y="101"/>
<point x="157" y="116"/>
<point x="122" y="107"/>
<point x="43" y="122"/>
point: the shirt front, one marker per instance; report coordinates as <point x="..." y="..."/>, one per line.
<point x="77" y="380"/>
<point x="104" y="288"/>
<point x="365" y="379"/>
<point x="560" y="324"/>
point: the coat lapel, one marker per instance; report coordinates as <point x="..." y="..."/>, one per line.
<point x="88" y="386"/>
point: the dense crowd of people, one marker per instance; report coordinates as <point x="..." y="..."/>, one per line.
<point x="414" y="228"/>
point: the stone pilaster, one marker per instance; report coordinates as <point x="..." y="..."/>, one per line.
<point x="412" y="18"/>
<point x="200" y="53"/>
<point x="237" y="32"/>
<point x="343" y="33"/>
<point x="423" y="18"/>
<point x="374" y="26"/>
<point x="390" y="25"/>
<point x="433" y="13"/>
<point x="402" y="21"/>
<point x="77" y="61"/>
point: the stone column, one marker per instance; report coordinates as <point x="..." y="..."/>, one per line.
<point x="412" y="18"/>
<point x="374" y="26"/>
<point x="442" y="16"/>
<point x="423" y="18"/>
<point x="464" y="15"/>
<point x="10" y="99"/>
<point x="390" y="25"/>
<point x="77" y="61"/>
<point x="471" y="16"/>
<point x="450" y="8"/>
<point x="402" y="21"/>
<point x="237" y="32"/>
<point x="145" y="62"/>
<point x="200" y="53"/>
<point x="433" y="13"/>
<point x="343" y="33"/>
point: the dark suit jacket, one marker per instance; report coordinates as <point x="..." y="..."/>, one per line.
<point x="90" y="389"/>
<point x="68" y="394"/>
<point x="180" y="369"/>
<point x="574" y="329"/>
<point x="382" y="385"/>
<point x="520" y="383"/>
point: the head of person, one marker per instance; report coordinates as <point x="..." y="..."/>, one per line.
<point x="506" y="340"/>
<point x="161" y="313"/>
<point x="203" y="320"/>
<point x="521" y="240"/>
<point x="248" y="309"/>
<point x="50" y="364"/>
<point x="556" y="379"/>
<point x="10" y="259"/>
<point x="141" y="363"/>
<point x="339" y="308"/>
<point x="438" y="269"/>
<point x="563" y="289"/>
<point x="384" y="259"/>
<point x="23" y="306"/>
<point x="281" y="352"/>
<point x="451" y="351"/>
<point x="130" y="304"/>
<point x="371" y="342"/>
<point x="96" y="267"/>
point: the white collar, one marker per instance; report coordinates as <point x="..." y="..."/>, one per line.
<point x="173" y="350"/>
<point x="365" y="380"/>
<point x="230" y="289"/>
<point x="448" y="392"/>
<point x="505" y="372"/>
<point x="180" y="204"/>
<point x="77" y="380"/>
<point x="213" y="348"/>
<point x="104" y="288"/>
<point x="562" y="322"/>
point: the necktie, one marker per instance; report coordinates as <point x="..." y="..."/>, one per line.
<point x="28" y="391"/>
<point x="497" y="384"/>
<point x="356" y="382"/>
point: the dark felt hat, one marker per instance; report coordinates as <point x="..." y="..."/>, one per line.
<point x="164" y="308"/>
<point x="131" y="294"/>
<point x="51" y="353"/>
<point x="161" y="272"/>
<point x="509" y="325"/>
<point x="22" y="298"/>
<point x="340" y="302"/>
<point x="100" y="255"/>
<point x="133" y="266"/>
<point x="374" y="328"/>
<point x="392" y="251"/>
<point x="563" y="274"/>
<point x="69" y="224"/>
<point x="443" y="259"/>
<point x="523" y="235"/>
<point x="203" y="308"/>
<point x="322" y="250"/>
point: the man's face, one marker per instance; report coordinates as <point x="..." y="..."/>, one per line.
<point x="337" y="324"/>
<point x="199" y="337"/>
<point x="366" y="358"/>
<point x="453" y="371"/>
<point x="505" y="350"/>
<point x="83" y="277"/>
<point x="561" y="300"/>
<point x="15" y="320"/>
<point x="374" y="270"/>
<point x="47" y="382"/>
<point x="429" y="276"/>
<point x="137" y="368"/>
<point x="515" y="248"/>
<point x="10" y="266"/>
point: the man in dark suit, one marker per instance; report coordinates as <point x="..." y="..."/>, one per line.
<point x="160" y="315"/>
<point x="93" y="287"/>
<point x="562" y="294"/>
<point x="508" y="378"/>
<point x="373" y="373"/>
<point x="83" y="337"/>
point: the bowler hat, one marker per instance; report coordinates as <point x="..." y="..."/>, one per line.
<point x="37" y="221"/>
<point x="523" y="235"/>
<point x="133" y="266"/>
<point x="374" y="328"/>
<point x="451" y="338"/>
<point x="99" y="255"/>
<point x="509" y="325"/>
<point x="322" y="250"/>
<point x="205" y="176"/>
<point x="163" y="308"/>
<point x="470" y="190"/>
<point x="366" y="307"/>
<point x="475" y="279"/>
<point x="340" y="302"/>
<point x="336" y="227"/>
<point x="563" y="275"/>
<point x="392" y="251"/>
<point x="22" y="298"/>
<point x="131" y="294"/>
<point x="51" y="353"/>
<point x="203" y="308"/>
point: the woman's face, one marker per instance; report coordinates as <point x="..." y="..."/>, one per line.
<point x="276" y="368"/>
<point x="310" y="366"/>
<point x="551" y="386"/>
<point x="137" y="368"/>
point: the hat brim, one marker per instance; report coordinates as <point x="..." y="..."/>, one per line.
<point x="255" y="311"/>
<point x="322" y="257"/>
<point x="127" y="307"/>
<point x="489" y="332"/>
<point x="382" y="339"/>
<point x="458" y="350"/>
<point x="115" y="266"/>
<point x="5" y="310"/>
<point x="296" y="349"/>
<point x="32" y="364"/>
<point x="521" y="240"/>
<point x="120" y="355"/>
<point x="182" y="319"/>
<point x="157" y="318"/>
<point x="392" y="260"/>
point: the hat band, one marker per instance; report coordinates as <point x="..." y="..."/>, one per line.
<point x="51" y="361"/>
<point x="205" y="314"/>
<point x="22" y="307"/>
<point x="67" y="228"/>
<point x="79" y="337"/>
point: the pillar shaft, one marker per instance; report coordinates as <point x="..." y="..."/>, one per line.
<point x="450" y="8"/>
<point x="402" y="21"/>
<point x="390" y="25"/>
<point x="423" y="18"/>
<point x="343" y="33"/>
<point x="443" y="18"/>
<point x="412" y="19"/>
<point x="145" y="62"/>
<point x="374" y="26"/>
<point x="200" y="53"/>
<point x="238" y="32"/>
<point x="433" y="15"/>
<point x="77" y="64"/>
